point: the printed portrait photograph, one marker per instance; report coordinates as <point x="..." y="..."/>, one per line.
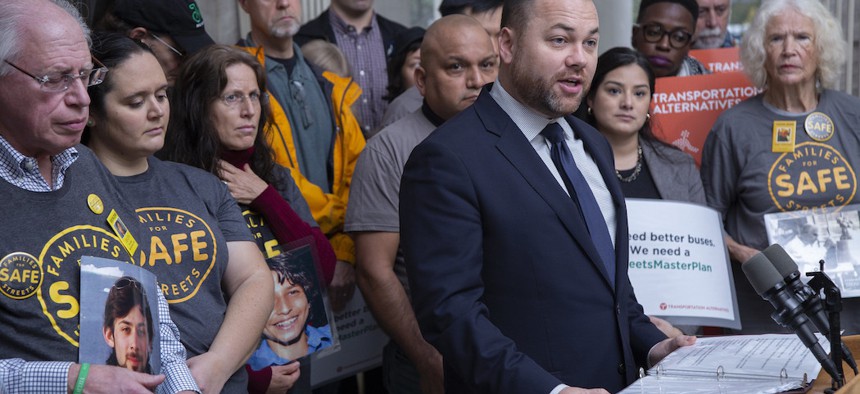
<point x="299" y="324"/>
<point x="119" y="316"/>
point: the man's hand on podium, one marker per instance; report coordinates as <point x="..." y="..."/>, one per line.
<point x="666" y="327"/>
<point x="667" y="346"/>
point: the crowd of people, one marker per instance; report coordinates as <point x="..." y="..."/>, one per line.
<point x="469" y="179"/>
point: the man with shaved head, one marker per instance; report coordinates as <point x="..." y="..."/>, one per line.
<point x="457" y="59"/>
<point x="59" y="203"/>
<point x="487" y="12"/>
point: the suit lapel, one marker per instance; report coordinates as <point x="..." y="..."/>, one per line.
<point x="513" y="145"/>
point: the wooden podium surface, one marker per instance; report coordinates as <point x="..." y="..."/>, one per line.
<point x="853" y="386"/>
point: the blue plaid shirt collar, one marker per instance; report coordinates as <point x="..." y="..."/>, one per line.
<point x="23" y="171"/>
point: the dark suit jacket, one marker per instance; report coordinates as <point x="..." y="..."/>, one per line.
<point x="506" y="281"/>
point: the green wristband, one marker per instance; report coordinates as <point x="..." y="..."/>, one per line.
<point x="82" y="379"/>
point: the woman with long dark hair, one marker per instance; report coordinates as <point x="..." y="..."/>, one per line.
<point x="220" y="110"/>
<point x="618" y="105"/>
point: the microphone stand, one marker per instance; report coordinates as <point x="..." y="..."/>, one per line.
<point x="832" y="305"/>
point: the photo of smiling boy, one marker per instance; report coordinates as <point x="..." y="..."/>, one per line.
<point x="127" y="325"/>
<point x="298" y="325"/>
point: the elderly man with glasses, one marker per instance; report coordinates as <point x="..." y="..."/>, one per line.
<point x="664" y="32"/>
<point x="59" y="204"/>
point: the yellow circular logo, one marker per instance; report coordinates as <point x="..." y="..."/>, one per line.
<point x="180" y="247"/>
<point x="60" y="290"/>
<point x="20" y="275"/>
<point x="819" y="126"/>
<point x="813" y="176"/>
<point x="95" y="203"/>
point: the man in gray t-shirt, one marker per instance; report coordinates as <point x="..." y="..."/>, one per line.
<point x="457" y="59"/>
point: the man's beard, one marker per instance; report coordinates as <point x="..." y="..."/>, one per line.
<point x="538" y="94"/>
<point x="112" y="360"/>
<point x="285" y="30"/>
<point x="710" y="38"/>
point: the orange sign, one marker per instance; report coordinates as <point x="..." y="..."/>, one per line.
<point x="719" y="60"/>
<point x="684" y="108"/>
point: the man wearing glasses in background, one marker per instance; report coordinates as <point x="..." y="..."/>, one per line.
<point x="56" y="201"/>
<point x="664" y="32"/>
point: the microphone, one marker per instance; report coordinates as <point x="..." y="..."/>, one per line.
<point x="768" y="283"/>
<point x="810" y="301"/>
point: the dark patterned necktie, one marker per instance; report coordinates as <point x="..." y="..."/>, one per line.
<point x="581" y="193"/>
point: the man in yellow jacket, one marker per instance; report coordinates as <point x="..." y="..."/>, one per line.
<point x="314" y="132"/>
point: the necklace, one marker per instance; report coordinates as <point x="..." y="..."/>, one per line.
<point x="636" y="170"/>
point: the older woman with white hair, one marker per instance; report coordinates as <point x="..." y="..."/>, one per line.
<point x="793" y="147"/>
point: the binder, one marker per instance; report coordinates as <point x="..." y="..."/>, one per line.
<point x="767" y="363"/>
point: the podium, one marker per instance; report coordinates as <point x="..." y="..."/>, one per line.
<point x="822" y="382"/>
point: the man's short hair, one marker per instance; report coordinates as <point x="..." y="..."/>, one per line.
<point x="126" y="293"/>
<point x="290" y="270"/>
<point x="11" y="14"/>
<point x="451" y="7"/>
<point x="690" y="5"/>
<point x="515" y="14"/>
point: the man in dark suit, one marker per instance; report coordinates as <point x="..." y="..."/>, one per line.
<point x="516" y="246"/>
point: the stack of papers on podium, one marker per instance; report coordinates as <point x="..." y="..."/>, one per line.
<point x="768" y="363"/>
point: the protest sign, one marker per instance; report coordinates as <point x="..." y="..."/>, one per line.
<point x="678" y="263"/>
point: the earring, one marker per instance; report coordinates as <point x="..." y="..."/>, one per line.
<point x="589" y="110"/>
<point x="648" y="116"/>
<point x="91" y="123"/>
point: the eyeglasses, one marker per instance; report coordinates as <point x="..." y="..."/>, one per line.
<point x="124" y="282"/>
<point x="678" y="38"/>
<point x="233" y="99"/>
<point x="157" y="38"/>
<point x="57" y="82"/>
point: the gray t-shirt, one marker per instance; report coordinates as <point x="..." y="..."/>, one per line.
<point x="188" y="217"/>
<point x="402" y="105"/>
<point x="744" y="180"/>
<point x="374" y="194"/>
<point x="44" y="235"/>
